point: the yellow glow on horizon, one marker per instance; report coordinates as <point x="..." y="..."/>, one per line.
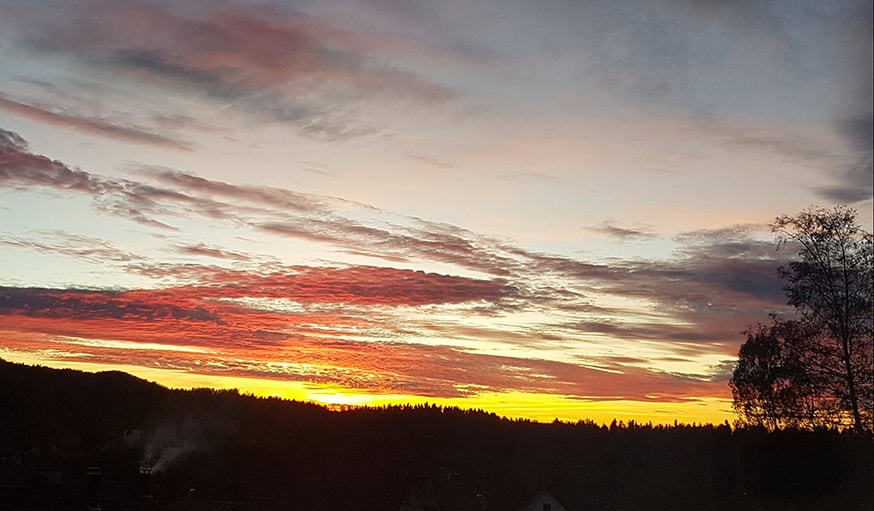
<point x="512" y="404"/>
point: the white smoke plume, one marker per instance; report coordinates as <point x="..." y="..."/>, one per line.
<point x="175" y="439"/>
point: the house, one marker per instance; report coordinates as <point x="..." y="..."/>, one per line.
<point x="422" y="496"/>
<point x="543" y="501"/>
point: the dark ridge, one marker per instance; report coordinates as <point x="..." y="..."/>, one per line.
<point x="70" y="439"/>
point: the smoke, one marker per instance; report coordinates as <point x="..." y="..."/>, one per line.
<point x="176" y="439"/>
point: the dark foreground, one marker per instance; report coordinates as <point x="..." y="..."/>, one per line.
<point x="71" y="440"/>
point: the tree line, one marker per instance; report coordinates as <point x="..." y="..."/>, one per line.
<point x="207" y="447"/>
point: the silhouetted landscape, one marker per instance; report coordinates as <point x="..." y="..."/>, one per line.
<point x="70" y="439"/>
<point x="410" y="255"/>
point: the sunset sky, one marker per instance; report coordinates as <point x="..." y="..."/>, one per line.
<point x="543" y="209"/>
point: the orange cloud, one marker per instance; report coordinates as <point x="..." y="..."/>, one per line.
<point x="322" y="325"/>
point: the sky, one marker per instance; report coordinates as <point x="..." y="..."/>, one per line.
<point x="551" y="209"/>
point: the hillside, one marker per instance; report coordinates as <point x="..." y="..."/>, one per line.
<point x="221" y="450"/>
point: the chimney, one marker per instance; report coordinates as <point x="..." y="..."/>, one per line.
<point x="422" y="495"/>
<point x="92" y="488"/>
<point x="144" y="483"/>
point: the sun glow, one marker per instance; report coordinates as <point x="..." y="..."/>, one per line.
<point x="512" y="404"/>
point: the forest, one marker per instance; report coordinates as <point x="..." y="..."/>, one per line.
<point x="111" y="441"/>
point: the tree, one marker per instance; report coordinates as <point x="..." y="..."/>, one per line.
<point x="771" y="386"/>
<point x="818" y="368"/>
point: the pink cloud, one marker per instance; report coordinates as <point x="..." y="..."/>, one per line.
<point x="271" y="63"/>
<point x="95" y="125"/>
<point x="200" y="249"/>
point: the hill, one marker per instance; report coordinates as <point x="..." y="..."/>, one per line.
<point x="68" y="437"/>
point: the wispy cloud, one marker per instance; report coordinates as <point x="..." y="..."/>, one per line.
<point x="614" y="229"/>
<point x="324" y="220"/>
<point x="96" y="125"/>
<point x="69" y="244"/>
<point x="856" y="177"/>
<point x="201" y="249"/>
<point x="551" y="315"/>
<point x="857" y="106"/>
<point x="271" y="63"/>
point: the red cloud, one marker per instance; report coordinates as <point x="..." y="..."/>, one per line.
<point x="359" y="285"/>
<point x="332" y="335"/>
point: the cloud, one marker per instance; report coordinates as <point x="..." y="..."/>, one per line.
<point x="795" y="147"/>
<point x="334" y="324"/>
<point x="432" y="162"/>
<point x="351" y="321"/>
<point x="300" y="345"/>
<point x="94" y="125"/>
<point x="201" y="249"/>
<point x="838" y="34"/>
<point x="271" y="210"/>
<point x="613" y="229"/>
<point x="400" y="243"/>
<point x="710" y="62"/>
<point x="856" y="118"/>
<point x="76" y="245"/>
<point x="726" y="258"/>
<point x="272" y="63"/>
<point x="83" y="305"/>
<point x="261" y="195"/>
<point x="362" y="285"/>
<point x="18" y="166"/>
<point x="137" y="201"/>
<point x="358" y="285"/>
<point x="857" y="177"/>
<point x="738" y="241"/>
<point x="379" y="327"/>
<point x="12" y="141"/>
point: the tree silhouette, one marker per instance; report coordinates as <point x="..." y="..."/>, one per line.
<point x="817" y="369"/>
<point x="771" y="386"/>
<point x="266" y="454"/>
